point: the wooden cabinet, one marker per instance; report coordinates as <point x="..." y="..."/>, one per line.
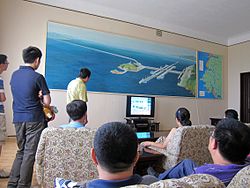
<point x="214" y="121"/>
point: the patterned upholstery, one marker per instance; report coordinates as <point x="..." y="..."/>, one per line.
<point x="169" y="184"/>
<point x="202" y="181"/>
<point x="65" y="153"/>
<point x="241" y="179"/>
<point x="192" y="181"/>
<point x="188" y="142"/>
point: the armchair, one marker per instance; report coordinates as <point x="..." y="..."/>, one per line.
<point x="65" y="153"/>
<point x="187" y="142"/>
<point x="241" y="179"/>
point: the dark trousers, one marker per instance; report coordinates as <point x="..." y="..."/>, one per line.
<point x="27" y="135"/>
<point x="183" y="168"/>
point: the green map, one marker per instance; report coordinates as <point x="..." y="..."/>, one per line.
<point x="209" y="75"/>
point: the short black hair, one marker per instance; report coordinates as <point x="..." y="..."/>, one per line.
<point x="183" y="116"/>
<point x="30" y="54"/>
<point x="231" y="113"/>
<point x="115" y="146"/>
<point x="233" y="139"/>
<point x="76" y="109"/>
<point x="84" y="73"/>
<point x="3" y="58"/>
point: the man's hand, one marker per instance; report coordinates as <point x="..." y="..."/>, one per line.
<point x="40" y="94"/>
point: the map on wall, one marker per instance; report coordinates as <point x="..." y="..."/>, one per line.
<point x="118" y="64"/>
<point x="209" y="75"/>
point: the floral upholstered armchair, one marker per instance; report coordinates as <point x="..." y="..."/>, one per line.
<point x="240" y="180"/>
<point x="65" y="153"/>
<point x="192" y="181"/>
<point x="188" y="142"/>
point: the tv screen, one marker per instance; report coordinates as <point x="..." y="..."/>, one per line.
<point x="140" y="106"/>
<point x="143" y="135"/>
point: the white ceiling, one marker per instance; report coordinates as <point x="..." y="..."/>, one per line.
<point x="222" y="21"/>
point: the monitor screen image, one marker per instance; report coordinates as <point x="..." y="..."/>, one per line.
<point x="143" y="135"/>
<point x="140" y="106"/>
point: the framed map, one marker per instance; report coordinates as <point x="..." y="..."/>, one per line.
<point x="118" y="64"/>
<point x="209" y="75"/>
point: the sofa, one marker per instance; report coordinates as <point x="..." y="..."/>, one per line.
<point x="65" y="153"/>
<point x="188" y="142"/>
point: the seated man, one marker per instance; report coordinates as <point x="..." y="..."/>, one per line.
<point x="231" y="113"/>
<point x="115" y="154"/>
<point x="77" y="111"/>
<point x="229" y="146"/>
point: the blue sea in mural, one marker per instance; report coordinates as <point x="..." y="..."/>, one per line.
<point x="65" y="55"/>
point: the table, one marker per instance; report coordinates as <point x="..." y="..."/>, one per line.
<point x="149" y="158"/>
<point x="214" y="121"/>
<point x="146" y="159"/>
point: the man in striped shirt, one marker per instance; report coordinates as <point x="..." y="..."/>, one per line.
<point x="3" y="67"/>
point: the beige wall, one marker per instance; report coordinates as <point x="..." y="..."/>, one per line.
<point x="24" y="23"/>
<point x="238" y="62"/>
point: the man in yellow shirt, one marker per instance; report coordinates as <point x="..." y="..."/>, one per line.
<point x="76" y="89"/>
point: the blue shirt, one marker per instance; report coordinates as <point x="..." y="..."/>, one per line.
<point x="25" y="86"/>
<point x="135" y="179"/>
<point x="73" y="124"/>
<point x="1" y="91"/>
<point x="99" y="183"/>
<point x="223" y="172"/>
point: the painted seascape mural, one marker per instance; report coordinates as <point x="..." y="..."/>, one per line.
<point x="119" y="64"/>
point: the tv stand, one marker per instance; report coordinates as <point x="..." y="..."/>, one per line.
<point x="142" y="124"/>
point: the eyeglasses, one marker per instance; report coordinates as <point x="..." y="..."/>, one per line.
<point x="212" y="135"/>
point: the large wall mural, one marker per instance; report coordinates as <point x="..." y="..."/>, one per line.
<point x="119" y="64"/>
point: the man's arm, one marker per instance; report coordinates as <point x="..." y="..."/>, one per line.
<point x="44" y="92"/>
<point x="82" y="93"/>
<point x="2" y="97"/>
<point x="46" y="100"/>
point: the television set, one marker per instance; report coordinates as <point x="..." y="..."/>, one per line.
<point x="140" y="106"/>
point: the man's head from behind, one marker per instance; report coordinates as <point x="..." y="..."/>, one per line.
<point x="3" y="58"/>
<point x="77" y="111"/>
<point x="231" y="113"/>
<point x="3" y="63"/>
<point x="32" y="55"/>
<point x="232" y="140"/>
<point x="115" y="147"/>
<point x="84" y="74"/>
